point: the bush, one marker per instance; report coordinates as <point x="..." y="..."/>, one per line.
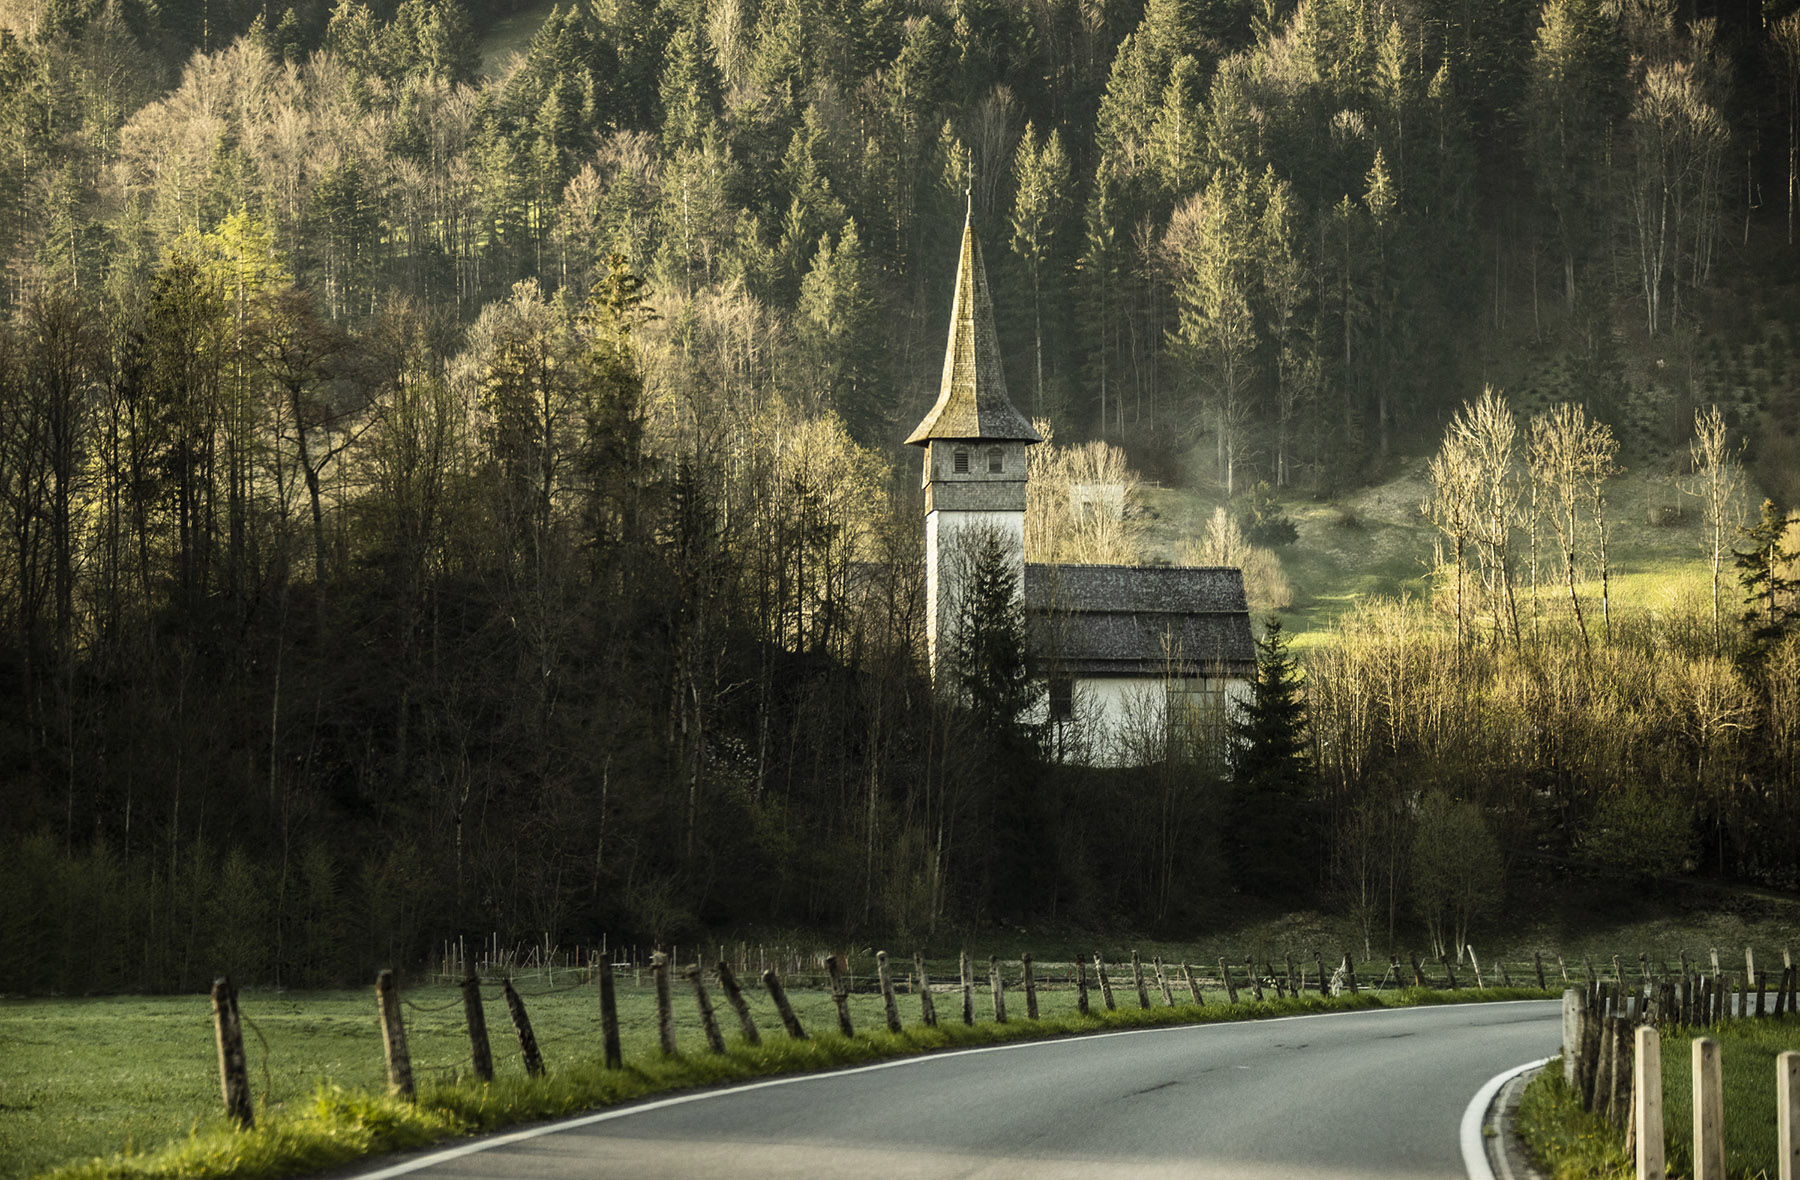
<point x="1262" y="520"/>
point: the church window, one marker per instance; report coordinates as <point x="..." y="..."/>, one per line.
<point x="994" y="464"/>
<point x="1062" y="698"/>
<point x="962" y="460"/>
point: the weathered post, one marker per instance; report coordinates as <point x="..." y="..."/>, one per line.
<point x="1537" y="960"/>
<point x="1350" y="973"/>
<point x="1230" y="987"/>
<point x="772" y="982"/>
<point x="997" y="986"/>
<point x="1750" y="962"/>
<point x="1709" y="1112"/>
<point x="715" y="1040"/>
<point x="1137" y="977"/>
<point x="1081" y="992"/>
<point x="968" y="989"/>
<point x="1294" y="985"/>
<point x="1587" y="961"/>
<point x="1762" y="994"/>
<point x="1603" y="1067"/>
<point x="927" y="1010"/>
<point x="1418" y="972"/>
<point x="1646" y="1105"/>
<point x="1572" y="1015"/>
<point x="234" y="1071"/>
<point x="735" y="997"/>
<point x="1618" y="1103"/>
<point x="1787" y="1115"/>
<point x="665" y="1006"/>
<point x="393" y="1035"/>
<point x="1253" y="976"/>
<point x="1781" y="991"/>
<point x="887" y="991"/>
<point x="1562" y="967"/>
<point x="1106" y="992"/>
<point x="1324" y="979"/>
<point x="1591" y="1026"/>
<point x="528" y="1047"/>
<point x="609" y="1016"/>
<point x="1618" y="971"/>
<point x="839" y="997"/>
<point x="1449" y="971"/>
<point x="476" y="1019"/>
<point x="1475" y="966"/>
<point x="1031" y="1008"/>
<point x="1187" y="973"/>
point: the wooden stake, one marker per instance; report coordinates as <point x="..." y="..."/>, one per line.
<point x="665" y="1005"/>
<point x="735" y="997"/>
<point x="1255" y="979"/>
<point x="609" y="1016"/>
<point x="886" y="979"/>
<point x="1187" y="973"/>
<point x="1230" y="987"/>
<point x="1137" y="976"/>
<point x="1603" y="1067"/>
<point x="1571" y="1038"/>
<point x="791" y="1022"/>
<point x="1449" y="971"/>
<point x="1787" y="1115"/>
<point x="1349" y="973"/>
<point x="1537" y="960"/>
<point x="1418" y="972"/>
<point x="998" y="987"/>
<point x="1081" y="990"/>
<point x="1162" y="981"/>
<point x="474" y="1016"/>
<point x="1296" y="983"/>
<point x="968" y="989"/>
<point x="528" y="1047"/>
<point x="1646" y="1106"/>
<point x="393" y="1035"/>
<point x="927" y="1010"/>
<point x="709" y="1024"/>
<point x="1709" y="1112"/>
<point x="234" y="1072"/>
<point x="1031" y="1008"/>
<point x="835" y="966"/>
<point x="1106" y="992"/>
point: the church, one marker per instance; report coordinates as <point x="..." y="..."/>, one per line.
<point x="1125" y="649"/>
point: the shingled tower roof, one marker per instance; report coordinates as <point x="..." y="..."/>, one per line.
<point x="972" y="401"/>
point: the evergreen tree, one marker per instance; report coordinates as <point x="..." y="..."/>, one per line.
<point x="1270" y="828"/>
<point x="991" y="665"/>
<point x="1767" y="572"/>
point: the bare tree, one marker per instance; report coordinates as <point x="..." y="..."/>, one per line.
<point x="1718" y="482"/>
<point x="1570" y="456"/>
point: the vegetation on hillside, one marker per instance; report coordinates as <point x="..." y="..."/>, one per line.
<point x="444" y="496"/>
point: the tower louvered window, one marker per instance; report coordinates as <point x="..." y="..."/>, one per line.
<point x="962" y="461"/>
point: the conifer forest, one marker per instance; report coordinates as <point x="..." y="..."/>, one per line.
<point x="446" y="491"/>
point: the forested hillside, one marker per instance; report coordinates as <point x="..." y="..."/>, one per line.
<point x="445" y="496"/>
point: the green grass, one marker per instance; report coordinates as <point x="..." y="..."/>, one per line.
<point x="1573" y="1145"/>
<point x="129" y="1085"/>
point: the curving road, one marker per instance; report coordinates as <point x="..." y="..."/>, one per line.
<point x="1341" y="1096"/>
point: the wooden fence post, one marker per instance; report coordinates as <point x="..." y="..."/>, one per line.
<point x="1350" y="973"/>
<point x="1162" y="981"/>
<point x="476" y="1019"/>
<point x="1252" y="975"/>
<point x="1781" y="991"/>
<point x="665" y="1005"/>
<point x="886" y="979"/>
<point x="1646" y="1105"/>
<point x="1475" y="966"/>
<point x="1187" y="973"/>
<point x="1137" y="976"/>
<point x="791" y="1022"/>
<point x="234" y="1071"/>
<point x="528" y="1046"/>
<point x="609" y="1016"/>
<point x="1571" y="1034"/>
<point x="1081" y="992"/>
<point x="1787" y="1115"/>
<point x="1230" y="987"/>
<point x="734" y="996"/>
<point x="968" y="989"/>
<point x="927" y="1010"/>
<point x="1750" y="962"/>
<point x="1603" y="1067"/>
<point x="997" y="986"/>
<point x="1618" y="1101"/>
<point x="1537" y="960"/>
<point x="715" y="1040"/>
<point x="1324" y="979"/>
<point x="1106" y="992"/>
<point x="1709" y="1112"/>
<point x="835" y="966"/>
<point x="1444" y="961"/>
<point x="1418" y="972"/>
<point x="1294" y="985"/>
<point x="1762" y="994"/>
<point x="393" y="1035"/>
<point x="1031" y="1008"/>
<point x="1587" y="962"/>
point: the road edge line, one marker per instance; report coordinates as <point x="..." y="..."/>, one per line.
<point x="1474" y="1145"/>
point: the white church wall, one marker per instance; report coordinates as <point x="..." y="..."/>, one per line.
<point x="947" y="535"/>
<point x="1120" y="717"/>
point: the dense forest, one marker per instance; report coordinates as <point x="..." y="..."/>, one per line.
<point x="448" y="496"/>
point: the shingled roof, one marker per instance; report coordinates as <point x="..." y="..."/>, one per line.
<point x="1122" y="620"/>
<point x="972" y="401"/>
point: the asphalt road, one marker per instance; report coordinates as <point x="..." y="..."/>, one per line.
<point x="1341" y="1096"/>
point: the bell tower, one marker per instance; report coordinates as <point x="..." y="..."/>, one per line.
<point x="975" y="460"/>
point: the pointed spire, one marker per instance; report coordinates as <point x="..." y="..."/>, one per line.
<point x="972" y="401"/>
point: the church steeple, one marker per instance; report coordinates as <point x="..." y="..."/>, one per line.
<point x="975" y="463"/>
<point x="972" y="404"/>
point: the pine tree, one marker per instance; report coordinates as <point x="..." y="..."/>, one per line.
<point x="992" y="669"/>
<point x="1766" y="572"/>
<point x="1270" y="826"/>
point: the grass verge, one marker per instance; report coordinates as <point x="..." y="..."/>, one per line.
<point x="1570" y="1144"/>
<point x="338" y="1125"/>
